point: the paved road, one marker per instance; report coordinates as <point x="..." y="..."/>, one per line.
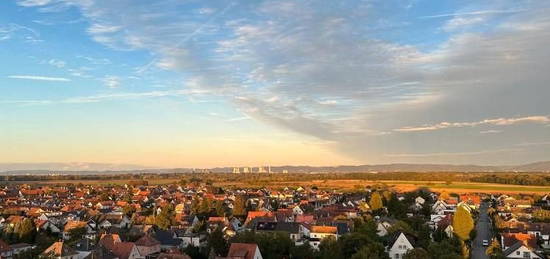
<point x="483" y="227"/>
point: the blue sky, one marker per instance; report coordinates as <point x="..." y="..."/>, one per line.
<point x="215" y="83"/>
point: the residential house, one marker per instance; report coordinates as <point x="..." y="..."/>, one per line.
<point x="399" y="245"/>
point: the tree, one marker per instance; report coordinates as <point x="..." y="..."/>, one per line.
<point x="396" y="208"/>
<point x="183" y="182"/>
<point x="195" y="205"/>
<point x="417" y="253"/>
<point x="274" y="245"/>
<point x="220" y="208"/>
<point x="401" y="226"/>
<point x="239" y="206"/>
<point x="217" y="243"/>
<point x="447" y="249"/>
<point x="76" y="234"/>
<point x="164" y="219"/>
<point x="302" y="252"/>
<point x="494" y="250"/>
<point x="329" y="248"/>
<point x="444" y="195"/>
<point x="371" y="251"/>
<point x="25" y="231"/>
<point x="375" y="201"/>
<point x="463" y="223"/>
<point x="350" y="243"/>
<point x="204" y="208"/>
<point x="128" y="210"/>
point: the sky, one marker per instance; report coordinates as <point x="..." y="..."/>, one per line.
<point x="189" y="83"/>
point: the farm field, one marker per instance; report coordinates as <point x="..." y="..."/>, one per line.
<point x="352" y="184"/>
<point x="334" y="184"/>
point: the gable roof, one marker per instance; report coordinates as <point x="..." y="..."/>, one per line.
<point x="242" y="250"/>
<point x="395" y="237"/>
<point x="59" y="249"/>
<point x="123" y="249"/>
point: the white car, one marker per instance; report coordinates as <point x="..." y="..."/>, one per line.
<point x="485" y="242"/>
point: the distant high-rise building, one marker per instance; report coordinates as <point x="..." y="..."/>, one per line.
<point x="236" y="170"/>
<point x="285" y="171"/>
<point x="246" y="170"/>
<point x="261" y="170"/>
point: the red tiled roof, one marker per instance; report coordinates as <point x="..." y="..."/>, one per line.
<point x="242" y="250"/>
<point x="123" y="249"/>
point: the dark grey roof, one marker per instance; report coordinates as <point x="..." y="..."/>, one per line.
<point x="513" y="248"/>
<point x="166" y="238"/>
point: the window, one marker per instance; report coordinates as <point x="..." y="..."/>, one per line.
<point x="396" y="256"/>
<point x="526" y="255"/>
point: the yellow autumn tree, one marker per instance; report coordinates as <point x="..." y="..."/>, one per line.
<point x="375" y="201"/>
<point x="463" y="223"/>
<point x="444" y="195"/>
<point x="387" y="195"/>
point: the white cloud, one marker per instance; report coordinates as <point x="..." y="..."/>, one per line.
<point x="17" y="31"/>
<point x="472" y="13"/>
<point x="455" y="154"/>
<point x="462" y="22"/>
<point x="497" y="122"/>
<point x="29" y="3"/>
<point x="102" y="28"/>
<point x="57" y="63"/>
<point x="490" y="131"/>
<point x="40" y="78"/>
<point x="104" y="97"/>
<point x="111" y="81"/>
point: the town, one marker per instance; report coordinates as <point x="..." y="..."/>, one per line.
<point x="195" y="218"/>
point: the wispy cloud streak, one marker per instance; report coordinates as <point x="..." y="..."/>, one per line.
<point x="497" y="122"/>
<point x="40" y="78"/>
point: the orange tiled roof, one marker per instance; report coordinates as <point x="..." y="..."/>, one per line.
<point x="324" y="229"/>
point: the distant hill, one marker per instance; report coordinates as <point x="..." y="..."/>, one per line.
<point x="534" y="167"/>
<point x="4" y="167"/>
<point x="19" y="168"/>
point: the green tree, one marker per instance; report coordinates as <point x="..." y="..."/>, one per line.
<point x="417" y="253"/>
<point x="76" y="235"/>
<point x="349" y="244"/>
<point x="329" y="249"/>
<point x="447" y="249"/>
<point x="463" y="223"/>
<point x="302" y="252"/>
<point x="371" y="251"/>
<point x="217" y="243"/>
<point x="204" y="208"/>
<point x="401" y="226"/>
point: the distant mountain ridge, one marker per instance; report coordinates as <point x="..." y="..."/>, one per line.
<point x="76" y="166"/>
<point x="543" y="166"/>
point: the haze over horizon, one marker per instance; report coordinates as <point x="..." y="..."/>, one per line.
<point x="230" y="83"/>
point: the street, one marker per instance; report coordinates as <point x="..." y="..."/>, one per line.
<point x="483" y="227"/>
